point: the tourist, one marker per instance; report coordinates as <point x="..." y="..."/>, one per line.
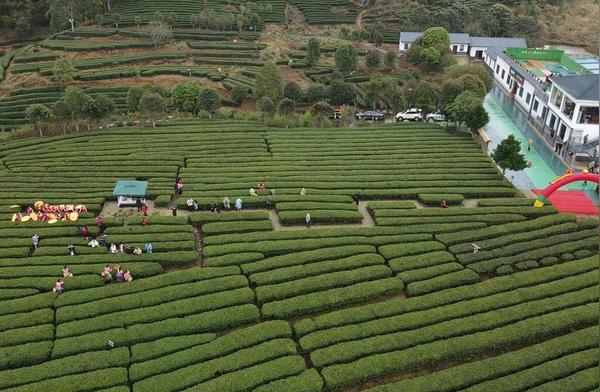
<point x="272" y="192"/>
<point x="190" y="204"/>
<point x="35" y="241"/>
<point x="119" y="277"/>
<point x="476" y="248"/>
<point x="113" y="248"/>
<point x="102" y="240"/>
<point x="94" y="243"/>
<point x="59" y="287"/>
<point x="138" y="204"/>
<point x="149" y="248"/>
<point x="121" y="248"/>
<point x="196" y="205"/>
<point x="99" y="222"/>
<point x="253" y="192"/>
<point x="529" y="143"/>
<point x="128" y="250"/>
<point x="174" y="210"/>
<point x="443" y="203"/>
<point x="260" y="186"/>
<point x="238" y="204"/>
<point x="226" y="203"/>
<point x="85" y="231"/>
<point x="107" y="273"/>
<point x="71" y="249"/>
<point x="137" y="251"/>
<point x="144" y="221"/>
<point x="127" y="276"/>
<point x="67" y="272"/>
<point x="357" y="197"/>
<point x="302" y="192"/>
<point x="144" y="209"/>
<point x="307" y="219"/>
<point x="214" y="207"/>
<point x="269" y="202"/>
<point x="179" y="186"/>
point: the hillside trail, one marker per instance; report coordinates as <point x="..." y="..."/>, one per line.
<point x="359" y="19"/>
<point x="367" y="221"/>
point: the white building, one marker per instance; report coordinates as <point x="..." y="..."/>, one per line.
<point x="574" y="108"/>
<point x="464" y="44"/>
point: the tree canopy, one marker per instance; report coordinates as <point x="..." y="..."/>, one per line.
<point x="345" y="58"/>
<point x="508" y="155"/>
<point x="270" y="82"/>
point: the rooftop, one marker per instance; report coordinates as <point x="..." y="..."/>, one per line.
<point x="463" y="38"/>
<point x="130" y="188"/>
<point x="580" y="87"/>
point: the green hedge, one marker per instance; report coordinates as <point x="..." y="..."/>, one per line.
<point x="488" y="219"/>
<point x="90" y="381"/>
<point x="25" y="354"/>
<point x="220" y="347"/>
<point x="464" y="376"/>
<point x="399" y="250"/>
<point x="455" y="295"/>
<point x="27" y="304"/>
<point x="331" y="299"/>
<point x="526" y="331"/>
<point x="446" y="281"/>
<point x="233" y="259"/>
<point x="436" y="199"/>
<point x="21" y="320"/>
<point x="420" y="261"/>
<point x="320" y="217"/>
<point x="200" y="218"/>
<point x="236" y="227"/>
<point x="421" y="274"/>
<point x="162" y="347"/>
<point x="308" y="381"/>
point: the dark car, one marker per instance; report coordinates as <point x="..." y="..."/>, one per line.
<point x="370" y="115"/>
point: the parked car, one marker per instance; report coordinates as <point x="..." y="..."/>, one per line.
<point x="412" y="114"/>
<point x="437" y="116"/>
<point x="370" y="115"/>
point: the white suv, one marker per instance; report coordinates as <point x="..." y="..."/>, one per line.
<point x="411" y="115"/>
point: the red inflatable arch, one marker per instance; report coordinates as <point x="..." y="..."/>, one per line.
<point x="562" y="181"/>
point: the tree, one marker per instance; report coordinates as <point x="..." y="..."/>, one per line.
<point x="426" y="97"/>
<point x="467" y="108"/>
<point x="313" y="52"/>
<point x="61" y="114"/>
<point x="63" y="71"/>
<point x="315" y="92"/>
<point x="508" y="155"/>
<point x="63" y="12"/>
<point x="373" y="59"/>
<point x="159" y="17"/>
<point x="74" y="98"/>
<point x="287" y="106"/>
<point x="138" y="21"/>
<point x="239" y="94"/>
<point x="117" y="19"/>
<point x="266" y="106"/>
<point x="436" y="37"/>
<point x="500" y="20"/>
<point x="185" y="96"/>
<point x="270" y="82"/>
<point x="99" y="18"/>
<point x="37" y="115"/>
<point x="389" y="59"/>
<point x="479" y="70"/>
<point x="194" y="20"/>
<point x="293" y="91"/>
<point x="321" y="110"/>
<point x="473" y="83"/>
<point x="171" y="19"/>
<point x="430" y="51"/>
<point x="345" y="58"/>
<point x="152" y="106"/>
<point x="105" y="106"/>
<point x="341" y="93"/>
<point x="209" y="100"/>
<point x="159" y="33"/>
<point x="22" y="27"/>
<point x="133" y="98"/>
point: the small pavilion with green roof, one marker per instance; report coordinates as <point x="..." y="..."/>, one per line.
<point x="129" y="191"/>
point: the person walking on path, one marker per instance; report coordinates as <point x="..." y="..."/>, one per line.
<point x="138" y="204"/>
<point x="179" y="187"/>
<point x="357" y="196"/>
<point x="144" y="209"/>
<point x="99" y="222"/>
<point x="226" y="204"/>
<point x="35" y="241"/>
<point x="269" y="202"/>
<point x="174" y="210"/>
<point x="190" y="204"/>
<point x="238" y="204"/>
<point x="529" y="144"/>
<point x="307" y="219"/>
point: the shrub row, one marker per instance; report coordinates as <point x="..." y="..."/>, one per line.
<point x="399" y="250"/>
<point x="322" y="282"/>
<point x="421" y="274"/>
<point x="436" y="199"/>
<point x="308" y="381"/>
<point x="417" y="318"/>
<point x="331" y="299"/>
<point x="420" y="261"/>
<point x="143" y="352"/>
<point x="531" y="212"/>
<point x="434" y="300"/>
<point x="526" y="331"/>
<point x="320" y="216"/>
<point x="464" y="376"/>
<point x="489" y="219"/>
<point x="47" y="283"/>
<point x="233" y="259"/>
<point x="211" y="321"/>
<point x="315" y="268"/>
<point x="500" y="230"/>
<point x="200" y="218"/>
<point x="236" y="227"/>
<point x="25" y="354"/>
<point x="445" y="281"/>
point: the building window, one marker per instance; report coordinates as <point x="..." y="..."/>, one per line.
<point x="588" y="115"/>
<point x="557" y="97"/>
<point x="569" y="108"/>
<point x="497" y="69"/>
<point x="521" y="92"/>
<point x="406" y="46"/>
<point x="535" y="105"/>
<point x="552" y="121"/>
<point x="528" y="99"/>
<point x="563" y="131"/>
<point x="502" y="76"/>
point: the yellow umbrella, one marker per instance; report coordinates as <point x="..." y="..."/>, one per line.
<point x="15" y="206"/>
<point x="73" y="216"/>
<point x="38" y="203"/>
<point x="33" y="216"/>
<point x="25" y="218"/>
<point x="53" y="220"/>
<point x="14" y="217"/>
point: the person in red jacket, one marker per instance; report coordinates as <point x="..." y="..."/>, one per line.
<point x="144" y="209"/>
<point x="144" y="222"/>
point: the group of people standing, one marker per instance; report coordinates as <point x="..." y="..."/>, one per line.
<point x="120" y="274"/>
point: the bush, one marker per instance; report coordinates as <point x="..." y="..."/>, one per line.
<point x="236" y="227"/>
<point x="144" y="352"/>
<point x="582" y="254"/>
<point x="398" y="250"/>
<point x="452" y="279"/>
<point x="527" y="265"/>
<point x="233" y="259"/>
<point x="308" y="381"/>
<point x="451" y="199"/>
<point x="547" y="261"/>
<point x="504" y="270"/>
<point x="567" y="257"/>
<point x="162" y="200"/>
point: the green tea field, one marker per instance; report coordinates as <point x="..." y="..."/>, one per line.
<point x="383" y="293"/>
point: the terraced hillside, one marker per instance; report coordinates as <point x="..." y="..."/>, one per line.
<point x="251" y="300"/>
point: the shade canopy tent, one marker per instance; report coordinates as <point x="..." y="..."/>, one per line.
<point x="129" y="191"/>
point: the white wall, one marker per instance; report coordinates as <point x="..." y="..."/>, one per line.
<point x="474" y="50"/>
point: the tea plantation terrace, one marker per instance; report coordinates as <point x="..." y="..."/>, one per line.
<point x="227" y="303"/>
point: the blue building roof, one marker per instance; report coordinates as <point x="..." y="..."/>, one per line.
<point x="130" y="188"/>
